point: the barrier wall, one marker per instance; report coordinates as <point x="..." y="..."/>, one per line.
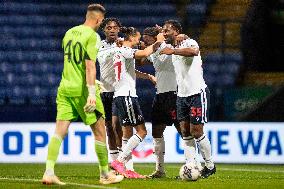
<point x="231" y="143"/>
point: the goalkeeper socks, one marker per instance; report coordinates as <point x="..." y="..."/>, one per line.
<point x="113" y="154"/>
<point x="52" y="154"/>
<point x="205" y="149"/>
<point x="189" y="149"/>
<point x="132" y="143"/>
<point x="159" y="151"/>
<point x="128" y="160"/>
<point x="102" y="154"/>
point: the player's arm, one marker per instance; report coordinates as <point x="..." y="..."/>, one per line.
<point x="150" y="49"/>
<point x="143" y="61"/>
<point x="90" y="61"/>
<point x="188" y="52"/>
<point x="142" y="75"/>
<point x="188" y="48"/>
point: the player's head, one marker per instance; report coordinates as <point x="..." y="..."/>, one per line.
<point x="171" y="29"/>
<point x="150" y="35"/>
<point x="95" y="15"/>
<point x="111" y="27"/>
<point x="132" y="35"/>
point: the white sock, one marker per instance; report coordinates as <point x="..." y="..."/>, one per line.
<point x="189" y="149"/>
<point x="128" y="160"/>
<point x="197" y="159"/>
<point x="132" y="143"/>
<point x="114" y="154"/>
<point x="159" y="151"/>
<point x="205" y="149"/>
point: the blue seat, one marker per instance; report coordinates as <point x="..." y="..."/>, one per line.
<point x="6" y="67"/>
<point x="213" y="57"/>
<point x="196" y="9"/>
<point x="38" y="95"/>
<point x="18" y="96"/>
<point x="233" y="57"/>
<point x="23" y="68"/>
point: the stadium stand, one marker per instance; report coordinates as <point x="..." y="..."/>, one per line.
<point x="31" y="56"/>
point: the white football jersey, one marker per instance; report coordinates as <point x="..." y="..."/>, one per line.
<point x="189" y="71"/>
<point x="125" y="76"/>
<point x="105" y="58"/>
<point x="164" y="70"/>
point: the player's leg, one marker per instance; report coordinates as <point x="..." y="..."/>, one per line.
<point x="99" y="132"/>
<point x="129" y="115"/>
<point x="199" y="116"/>
<point x="118" y="131"/>
<point x="65" y="114"/>
<point x="159" y="115"/>
<point x="107" y="98"/>
<point x="126" y="135"/>
<point x="96" y="120"/>
<point x="183" y="115"/>
<point x="159" y="150"/>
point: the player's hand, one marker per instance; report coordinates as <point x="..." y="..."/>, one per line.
<point x="167" y="51"/>
<point x="119" y="42"/>
<point x="180" y="38"/>
<point x="159" y="28"/>
<point x="91" y="101"/>
<point x="101" y="86"/>
<point x="141" y="45"/>
<point x="160" y="37"/>
<point x="153" y="79"/>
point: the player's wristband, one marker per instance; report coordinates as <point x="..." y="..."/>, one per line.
<point x="92" y="90"/>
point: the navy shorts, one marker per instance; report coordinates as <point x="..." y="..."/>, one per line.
<point x="107" y="98"/>
<point x="128" y="110"/>
<point x="195" y="108"/>
<point x="164" y="109"/>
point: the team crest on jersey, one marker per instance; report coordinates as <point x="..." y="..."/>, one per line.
<point x="145" y="148"/>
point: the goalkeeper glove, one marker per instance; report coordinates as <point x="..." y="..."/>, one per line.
<point x="91" y="101"/>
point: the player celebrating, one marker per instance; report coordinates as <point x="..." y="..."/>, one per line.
<point x="125" y="101"/>
<point x="111" y="28"/>
<point x="78" y="94"/>
<point x="193" y="94"/>
<point x="164" y="104"/>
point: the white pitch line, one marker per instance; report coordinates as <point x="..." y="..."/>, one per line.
<point x="222" y="169"/>
<point x="67" y="184"/>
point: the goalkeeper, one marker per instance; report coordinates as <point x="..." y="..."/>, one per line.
<point x="79" y="95"/>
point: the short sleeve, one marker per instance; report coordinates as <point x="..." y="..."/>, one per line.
<point x="128" y="53"/>
<point x="189" y="43"/>
<point x="93" y="46"/>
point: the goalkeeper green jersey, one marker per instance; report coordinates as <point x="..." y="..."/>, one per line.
<point x="79" y="43"/>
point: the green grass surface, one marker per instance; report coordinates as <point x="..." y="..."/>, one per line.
<point x="228" y="176"/>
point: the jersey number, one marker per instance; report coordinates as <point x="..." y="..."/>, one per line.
<point x="77" y="49"/>
<point x="196" y="112"/>
<point x="117" y="67"/>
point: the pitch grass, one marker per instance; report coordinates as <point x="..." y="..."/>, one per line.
<point x="228" y="177"/>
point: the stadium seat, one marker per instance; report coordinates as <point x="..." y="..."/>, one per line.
<point x="38" y="95"/>
<point x="17" y="95"/>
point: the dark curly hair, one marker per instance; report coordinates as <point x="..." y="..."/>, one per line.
<point x="112" y="19"/>
<point x="128" y="31"/>
<point x="151" y="31"/>
<point x="176" y="24"/>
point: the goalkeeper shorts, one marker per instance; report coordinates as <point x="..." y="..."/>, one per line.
<point x="70" y="108"/>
